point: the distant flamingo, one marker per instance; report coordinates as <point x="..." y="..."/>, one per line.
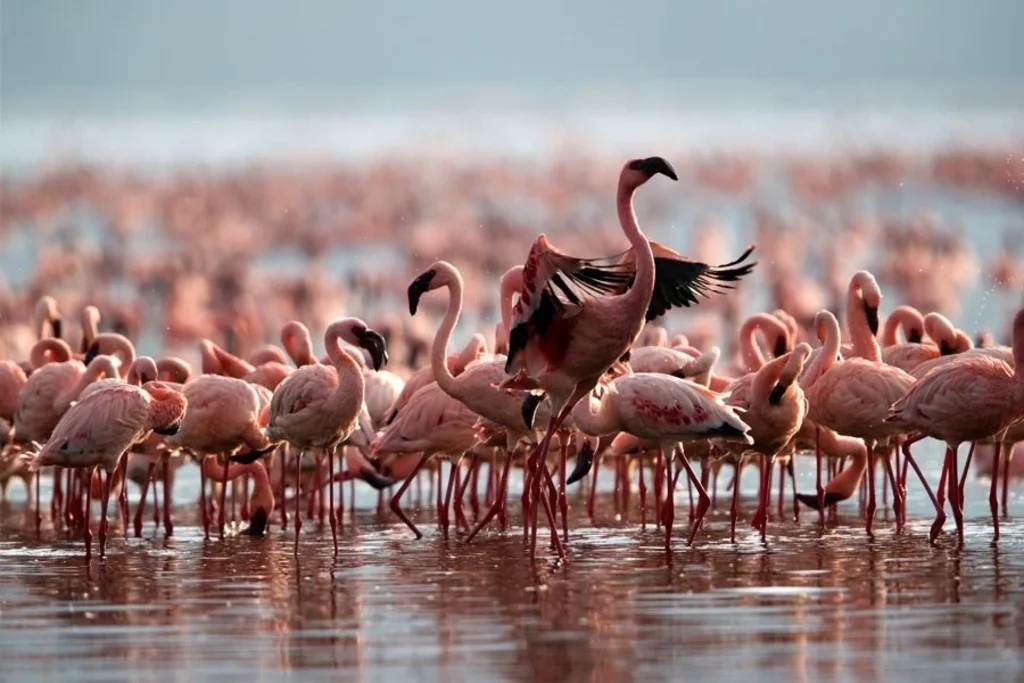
<point x="909" y="355"/>
<point x="261" y="502"/>
<point x="775" y="332"/>
<point x="318" y="406"/>
<point x="99" y="430"/>
<point x="972" y="398"/>
<point x="564" y="346"/>
<point x="475" y="349"/>
<point x="670" y="411"/>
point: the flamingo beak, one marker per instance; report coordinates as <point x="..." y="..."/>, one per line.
<point x="258" y="523"/>
<point x="584" y="461"/>
<point x="93" y="351"/>
<point x="655" y="165"/>
<point x="775" y="398"/>
<point x="530" y="404"/>
<point x="375" y="344"/>
<point x="872" y="313"/>
<point x="58" y="327"/>
<point x="781" y="347"/>
<point x="169" y="430"/>
<point x="418" y="288"/>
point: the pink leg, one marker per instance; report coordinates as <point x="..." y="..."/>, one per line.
<point x="870" y="511"/>
<point x="222" y="512"/>
<point x="643" y="496"/>
<point x="940" y="515"/>
<point x="791" y="468"/>
<point x="821" y="487"/>
<point x="782" y="489"/>
<point x="396" y="500"/>
<point x="703" y="499"/>
<point x="668" y="512"/>
<point x="39" y="513"/>
<point x="283" y="453"/>
<point x="1008" y="456"/>
<point x="298" y="499"/>
<point x="339" y="514"/>
<point x="332" y="518"/>
<point x="168" y="525"/>
<point x="592" y="500"/>
<point x="897" y="496"/>
<point x="760" y="517"/>
<point x="498" y="500"/>
<point x="474" y="491"/>
<point x="714" y="487"/>
<point x="58" y="496"/>
<point x="967" y="468"/>
<point x="202" y="500"/>
<point x="942" y="480"/>
<point x="563" y="500"/>
<point x="954" y="495"/>
<point x="156" y="499"/>
<point x="86" y="519"/>
<point x="734" y="509"/>
<point x="244" y="503"/>
<point x="140" y="508"/>
<point x="658" y="467"/>
<point x="453" y="474"/>
<point x="993" y="500"/>
<point x="103" y="512"/>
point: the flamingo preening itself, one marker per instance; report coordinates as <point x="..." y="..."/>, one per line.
<point x="576" y="317"/>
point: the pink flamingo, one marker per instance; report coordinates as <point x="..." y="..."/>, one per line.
<point x="223" y="416"/>
<point x="318" y="406"/>
<point x="564" y="346"/>
<point x="853" y="397"/>
<point x="775" y="332"/>
<point x="431" y="423"/>
<point x="261" y="502"/>
<point x="477" y="386"/>
<point x="97" y="432"/>
<point x="906" y="319"/>
<point x="909" y="355"/>
<point x="774" y="407"/>
<point x="972" y="398"/>
<point x="670" y="411"/>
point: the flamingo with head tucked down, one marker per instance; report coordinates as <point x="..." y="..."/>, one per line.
<point x="564" y="336"/>
<point x="98" y="430"/>
<point x="972" y="398"/>
<point x="318" y="406"/>
<point x="669" y="410"/>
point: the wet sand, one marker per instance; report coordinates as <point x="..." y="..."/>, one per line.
<point x="806" y="608"/>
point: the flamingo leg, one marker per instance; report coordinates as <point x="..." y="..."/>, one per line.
<point x="397" y="498"/>
<point x="1008" y="456"/>
<point x="963" y="477"/>
<point x="283" y="452"/>
<point x="668" y="511"/>
<point x="71" y="480"/>
<point x="942" y="481"/>
<point x="592" y="500"/>
<point x="39" y="513"/>
<point x="140" y="508"/>
<point x="782" y="488"/>
<point x="993" y="500"/>
<point x="58" y="496"/>
<point x="940" y="515"/>
<point x="332" y="518"/>
<point x="202" y="500"/>
<point x="897" y="497"/>
<point x="643" y="496"/>
<point x="658" y="486"/>
<point x="768" y="469"/>
<point x="103" y="510"/>
<point x="954" y="494"/>
<point x="168" y="525"/>
<point x="222" y="512"/>
<point x="87" y="521"/>
<point x="453" y="474"/>
<point x="821" y="488"/>
<point x="317" y="490"/>
<point x="563" y="500"/>
<point x="869" y="513"/>
<point x="339" y="512"/>
<point x="791" y="470"/>
<point x="734" y="509"/>
<point x="761" y="514"/>
<point x="243" y="512"/>
<point x="498" y="500"/>
<point x="153" y="478"/>
<point x="703" y="499"/>
<point x="474" y="491"/>
<point x="714" y="486"/>
<point x="298" y="499"/>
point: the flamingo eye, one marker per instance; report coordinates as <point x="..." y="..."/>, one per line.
<point x="64" y="446"/>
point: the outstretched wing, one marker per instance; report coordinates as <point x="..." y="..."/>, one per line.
<point x="679" y="281"/>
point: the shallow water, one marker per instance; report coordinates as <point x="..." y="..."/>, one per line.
<point x="807" y="607"/>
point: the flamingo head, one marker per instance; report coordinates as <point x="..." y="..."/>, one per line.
<point x="638" y="171"/>
<point x="420" y="286"/>
<point x="92" y="352"/>
<point x="375" y="344"/>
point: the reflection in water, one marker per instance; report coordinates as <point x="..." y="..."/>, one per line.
<point x="807" y="608"/>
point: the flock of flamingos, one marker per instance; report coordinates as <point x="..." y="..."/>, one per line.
<point x="578" y="372"/>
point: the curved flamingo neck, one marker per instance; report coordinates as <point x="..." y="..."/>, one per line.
<point x="605" y="420"/>
<point x="298" y="344"/>
<point x="101" y="366"/>
<point x="833" y="341"/>
<point x="511" y="284"/>
<point x="90" y="326"/>
<point x="452" y="279"/>
<point x="770" y="326"/>
<point x="351" y="384"/>
<point x="906" y="318"/>
<point x="941" y="331"/>
<point x="864" y="343"/>
<point x="643" y="285"/>
<point x="50" y="350"/>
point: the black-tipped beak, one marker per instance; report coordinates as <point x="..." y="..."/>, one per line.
<point x="93" y="351"/>
<point x="915" y="337"/>
<point x="811" y="499"/>
<point x="249" y="457"/>
<point x="680" y="373"/>
<point x="781" y="347"/>
<point x="58" y="327"/>
<point x="584" y="461"/>
<point x="945" y="349"/>
<point x="775" y="398"/>
<point x="170" y="430"/>
<point x="872" y="314"/>
<point x="377" y="481"/>
<point x="257" y="523"/>
<point x="655" y="165"/>
<point x="378" y="348"/>
<point x="530" y="403"/>
<point x="418" y="288"/>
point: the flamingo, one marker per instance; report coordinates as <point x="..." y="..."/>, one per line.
<point x="972" y="398"/>
<point x="774" y="407"/>
<point x="668" y="410"/>
<point x="909" y="355"/>
<point x="261" y="502"/>
<point x="564" y="346"/>
<point x="318" y="406"/>
<point x="98" y="430"/>
<point x="853" y="396"/>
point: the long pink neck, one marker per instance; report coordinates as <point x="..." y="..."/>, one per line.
<point x="350" y="377"/>
<point x="833" y="341"/>
<point x="639" y="295"/>
<point x="439" y="351"/>
<point x="101" y="366"/>
<point x="907" y="318"/>
<point x="49" y="350"/>
<point x="770" y="326"/>
<point x="864" y="343"/>
<point x="511" y="282"/>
